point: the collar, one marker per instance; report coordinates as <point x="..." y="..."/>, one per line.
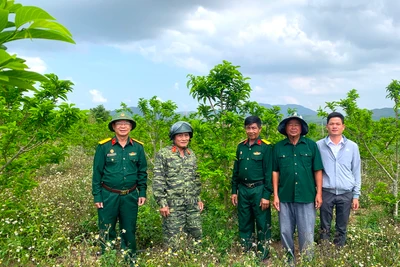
<point x="175" y="149"/>
<point x="115" y="140"/>
<point x="342" y="141"/>
<point x="301" y="140"/>
<point x="257" y="142"/>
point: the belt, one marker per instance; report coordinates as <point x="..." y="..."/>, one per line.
<point x="120" y="192"/>
<point x="252" y="185"/>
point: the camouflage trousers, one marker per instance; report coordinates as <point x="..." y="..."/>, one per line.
<point x="183" y="219"/>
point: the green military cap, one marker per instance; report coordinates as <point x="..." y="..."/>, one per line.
<point x="121" y="116"/>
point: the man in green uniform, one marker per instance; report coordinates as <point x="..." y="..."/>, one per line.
<point x="176" y="186"/>
<point x="297" y="183"/>
<point x="252" y="187"/>
<point x="119" y="182"/>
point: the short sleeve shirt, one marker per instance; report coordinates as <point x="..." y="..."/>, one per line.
<point x="296" y="165"/>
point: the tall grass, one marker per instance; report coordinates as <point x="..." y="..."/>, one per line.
<point x="56" y="225"/>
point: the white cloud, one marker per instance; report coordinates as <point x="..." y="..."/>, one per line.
<point x="312" y="85"/>
<point x="97" y="97"/>
<point x="35" y="64"/>
<point x="192" y="64"/>
<point x="176" y="86"/>
<point x="290" y="100"/>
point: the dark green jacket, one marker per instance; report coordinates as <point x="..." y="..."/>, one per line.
<point x="296" y="165"/>
<point x="119" y="168"/>
<point x="253" y="163"/>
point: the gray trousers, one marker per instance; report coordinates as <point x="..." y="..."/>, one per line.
<point x="303" y="216"/>
<point x="343" y="206"/>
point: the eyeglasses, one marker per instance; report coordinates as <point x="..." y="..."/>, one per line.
<point x="121" y="123"/>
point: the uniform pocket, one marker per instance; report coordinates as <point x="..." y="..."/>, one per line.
<point x="284" y="161"/>
<point x="306" y="158"/>
<point x="111" y="160"/>
<point x="133" y="158"/>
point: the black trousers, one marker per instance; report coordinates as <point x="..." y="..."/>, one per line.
<point x="342" y="203"/>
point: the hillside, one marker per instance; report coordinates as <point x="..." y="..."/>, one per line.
<point x="308" y="114"/>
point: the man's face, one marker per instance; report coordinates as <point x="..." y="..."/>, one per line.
<point x="252" y="131"/>
<point x="293" y="128"/>
<point x="122" y="128"/>
<point x="335" y="127"/>
<point x="181" y="140"/>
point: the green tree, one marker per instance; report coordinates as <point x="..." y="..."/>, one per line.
<point x="31" y="119"/>
<point x="100" y="114"/>
<point x="30" y="126"/>
<point x="157" y="117"/>
<point x="223" y="95"/>
<point x="393" y="90"/>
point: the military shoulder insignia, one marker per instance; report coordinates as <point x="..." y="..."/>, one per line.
<point x="265" y="141"/>
<point x="137" y="141"/>
<point x="104" y="141"/>
<point x="243" y="141"/>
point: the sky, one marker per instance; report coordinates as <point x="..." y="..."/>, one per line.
<point x="304" y="52"/>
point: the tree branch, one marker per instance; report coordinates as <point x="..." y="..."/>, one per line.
<point x="377" y="161"/>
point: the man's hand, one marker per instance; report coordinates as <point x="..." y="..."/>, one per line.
<point x="201" y="206"/>
<point x="276" y="202"/>
<point x="165" y="211"/>
<point x="141" y="201"/>
<point x="318" y="201"/>
<point x="99" y="205"/>
<point x="234" y="199"/>
<point x="355" y="205"/>
<point x="264" y="204"/>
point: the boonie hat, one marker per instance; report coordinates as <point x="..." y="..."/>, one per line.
<point x="282" y="124"/>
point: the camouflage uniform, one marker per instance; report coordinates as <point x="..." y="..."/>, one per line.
<point x="177" y="185"/>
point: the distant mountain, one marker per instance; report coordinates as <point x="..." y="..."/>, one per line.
<point x="378" y="113"/>
<point x="303" y="111"/>
<point x="308" y="114"/>
<point x="135" y="110"/>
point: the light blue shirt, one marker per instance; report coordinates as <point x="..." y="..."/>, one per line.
<point x="342" y="168"/>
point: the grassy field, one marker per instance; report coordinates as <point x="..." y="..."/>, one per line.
<point x="55" y="225"/>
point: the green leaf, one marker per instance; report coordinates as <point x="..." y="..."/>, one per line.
<point x="14" y="7"/>
<point x="5" y="36"/>
<point x="15" y="65"/>
<point x="27" y="14"/>
<point x="18" y="83"/>
<point x="3" y="4"/>
<point x="3" y="19"/>
<point x="5" y="57"/>
<point x="50" y="25"/>
<point x="10" y="24"/>
<point x="4" y="78"/>
<point x="42" y="34"/>
<point x="25" y="75"/>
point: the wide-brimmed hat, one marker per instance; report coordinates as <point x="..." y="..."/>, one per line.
<point x="121" y="116"/>
<point x="282" y="124"/>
